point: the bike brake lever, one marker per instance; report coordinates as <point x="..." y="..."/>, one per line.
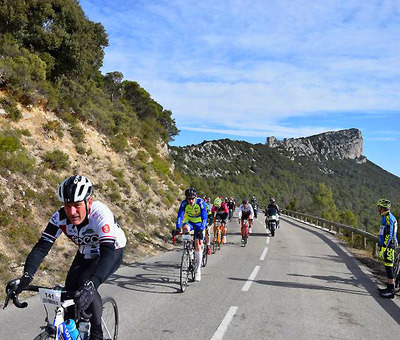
<point x="18" y="303"/>
<point x="6" y="301"/>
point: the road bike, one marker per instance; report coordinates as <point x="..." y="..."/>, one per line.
<point x="230" y="214"/>
<point x="188" y="261"/>
<point x="244" y="231"/>
<point x="204" y="257"/>
<point x="217" y="239"/>
<point x="59" y="299"/>
<point x="396" y="270"/>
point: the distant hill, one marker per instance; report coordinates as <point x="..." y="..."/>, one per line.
<point x="292" y="170"/>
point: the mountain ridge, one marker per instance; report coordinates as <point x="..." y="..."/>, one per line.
<point x="240" y="169"/>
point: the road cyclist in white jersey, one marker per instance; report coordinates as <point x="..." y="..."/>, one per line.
<point x="246" y="213"/>
<point x="92" y="227"/>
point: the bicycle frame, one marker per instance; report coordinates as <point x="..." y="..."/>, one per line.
<point x="244" y="231"/>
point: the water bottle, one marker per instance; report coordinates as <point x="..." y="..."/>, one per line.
<point x="71" y="326"/>
<point x="84" y="327"/>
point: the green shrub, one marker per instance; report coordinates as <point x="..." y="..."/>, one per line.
<point x="160" y="166"/>
<point x="21" y="234"/>
<point x="77" y="133"/>
<point x="10" y="106"/>
<point x="18" y="162"/>
<point x="119" y="143"/>
<point x="26" y="132"/>
<point x="10" y="140"/>
<point x="53" y="126"/>
<point x="56" y="160"/>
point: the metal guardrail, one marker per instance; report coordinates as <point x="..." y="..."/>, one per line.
<point x="337" y="227"/>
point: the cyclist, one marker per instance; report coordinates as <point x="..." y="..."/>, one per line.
<point x="246" y="213"/>
<point x="220" y="211"/>
<point x="388" y="243"/>
<point x="231" y="207"/>
<point x="254" y="204"/>
<point x="196" y="219"/>
<point x="272" y="209"/>
<point x="92" y="227"/>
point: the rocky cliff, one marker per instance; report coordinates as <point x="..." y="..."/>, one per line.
<point x="343" y="144"/>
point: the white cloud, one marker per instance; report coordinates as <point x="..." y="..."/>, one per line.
<point x="228" y="63"/>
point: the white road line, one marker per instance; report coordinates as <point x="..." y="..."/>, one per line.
<point x="268" y="239"/>
<point x="253" y="275"/>
<point x="219" y="333"/>
<point x="264" y="254"/>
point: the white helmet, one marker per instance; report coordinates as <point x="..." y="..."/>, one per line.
<point x="74" y="189"/>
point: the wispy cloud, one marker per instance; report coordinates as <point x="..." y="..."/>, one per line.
<point x="227" y="63"/>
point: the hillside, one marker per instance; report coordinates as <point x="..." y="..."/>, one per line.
<point x="142" y="196"/>
<point x="59" y="115"/>
<point x="241" y="169"/>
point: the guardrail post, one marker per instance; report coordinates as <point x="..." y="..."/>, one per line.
<point x="352" y="237"/>
<point x="376" y="249"/>
<point x="364" y="242"/>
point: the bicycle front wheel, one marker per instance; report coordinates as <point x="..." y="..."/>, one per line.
<point x="205" y="256"/>
<point x="184" y="273"/>
<point x="109" y="319"/>
<point x="396" y="269"/>
<point x="215" y="244"/>
<point x="44" y="336"/>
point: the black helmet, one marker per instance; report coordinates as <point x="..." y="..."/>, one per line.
<point x="191" y="193"/>
<point x="244" y="201"/>
<point x="74" y="189"/>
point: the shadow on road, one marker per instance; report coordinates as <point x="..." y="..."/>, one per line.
<point x="161" y="277"/>
<point x="298" y="285"/>
<point x="361" y="279"/>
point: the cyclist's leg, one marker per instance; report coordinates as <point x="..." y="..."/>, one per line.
<point x="198" y="239"/>
<point x="224" y="218"/>
<point x="81" y="270"/>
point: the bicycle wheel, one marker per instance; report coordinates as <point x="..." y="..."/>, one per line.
<point x="396" y="269"/>
<point x="205" y="256"/>
<point x="192" y="267"/>
<point x="43" y="336"/>
<point x="245" y="234"/>
<point x="219" y="238"/>
<point x="109" y="319"/>
<point x="184" y="272"/>
<point x="215" y="245"/>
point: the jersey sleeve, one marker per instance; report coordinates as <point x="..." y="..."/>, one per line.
<point x="52" y="231"/>
<point x="181" y="214"/>
<point x="107" y="227"/>
<point x="204" y="214"/>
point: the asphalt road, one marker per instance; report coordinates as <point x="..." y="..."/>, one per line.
<point x="300" y="284"/>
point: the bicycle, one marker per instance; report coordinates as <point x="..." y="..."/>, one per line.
<point x="188" y="261"/>
<point x="244" y="231"/>
<point x="217" y="239"/>
<point x="58" y="298"/>
<point x="396" y="270"/>
<point x="204" y="257"/>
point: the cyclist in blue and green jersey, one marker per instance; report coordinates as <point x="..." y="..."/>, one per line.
<point x="388" y="243"/>
<point x="192" y="215"/>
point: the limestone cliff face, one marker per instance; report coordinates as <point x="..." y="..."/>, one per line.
<point x="343" y="144"/>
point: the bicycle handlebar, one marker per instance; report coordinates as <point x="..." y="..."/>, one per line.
<point x="65" y="295"/>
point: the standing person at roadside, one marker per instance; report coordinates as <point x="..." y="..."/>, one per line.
<point x="388" y="243"/>
<point x="192" y="215"/>
<point x="92" y="227"/>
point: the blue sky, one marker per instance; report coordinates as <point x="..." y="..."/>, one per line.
<point x="246" y="70"/>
